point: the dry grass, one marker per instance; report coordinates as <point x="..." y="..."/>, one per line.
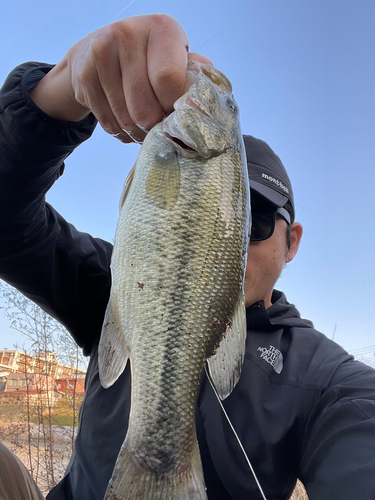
<point x="39" y="438"/>
<point x="16" y="434"/>
<point x="46" y="457"/>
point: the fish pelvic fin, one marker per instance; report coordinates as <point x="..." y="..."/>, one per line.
<point x="113" y="351"/>
<point x="226" y="364"/>
<point x="133" y="479"/>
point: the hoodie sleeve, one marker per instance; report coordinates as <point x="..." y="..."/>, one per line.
<point x="64" y="271"/>
<point x="338" y="462"/>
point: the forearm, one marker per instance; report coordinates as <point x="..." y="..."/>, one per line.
<point x="33" y="147"/>
<point x="55" y="96"/>
<point x="338" y="461"/>
<point x="62" y="270"/>
<point x="126" y="75"/>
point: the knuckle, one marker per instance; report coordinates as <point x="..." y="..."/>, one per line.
<point x="163" y="21"/>
<point x="167" y="75"/>
<point x="146" y="114"/>
<point x="127" y="34"/>
<point x="121" y="30"/>
<point x="109" y="125"/>
<point x="110" y="129"/>
<point x="100" y="46"/>
<point x="166" y="26"/>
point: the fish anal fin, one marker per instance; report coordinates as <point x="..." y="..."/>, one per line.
<point x="163" y="180"/>
<point x="113" y="351"/>
<point x="226" y="364"/>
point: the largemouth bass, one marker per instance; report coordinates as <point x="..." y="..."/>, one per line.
<point x="177" y="296"/>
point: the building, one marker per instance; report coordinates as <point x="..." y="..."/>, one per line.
<point x="44" y="362"/>
<point x="40" y="376"/>
<point x="3" y="379"/>
<point x="8" y="361"/>
<point x="71" y="387"/>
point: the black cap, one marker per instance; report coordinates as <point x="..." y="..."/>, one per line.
<point x="267" y="174"/>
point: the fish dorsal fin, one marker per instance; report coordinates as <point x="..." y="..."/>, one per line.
<point x="113" y="351"/>
<point x="226" y="364"/>
<point x="163" y="180"/>
<point x="126" y="188"/>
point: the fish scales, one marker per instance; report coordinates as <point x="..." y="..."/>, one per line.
<point x="178" y="268"/>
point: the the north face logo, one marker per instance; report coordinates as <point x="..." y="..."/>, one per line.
<point x="273" y="356"/>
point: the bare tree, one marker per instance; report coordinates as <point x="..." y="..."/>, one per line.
<point x="45" y="445"/>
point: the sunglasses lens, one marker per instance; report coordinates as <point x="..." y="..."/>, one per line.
<point x="262" y="226"/>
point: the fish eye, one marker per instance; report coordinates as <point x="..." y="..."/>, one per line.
<point x="232" y="106"/>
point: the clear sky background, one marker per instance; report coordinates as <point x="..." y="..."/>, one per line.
<point x="303" y="74"/>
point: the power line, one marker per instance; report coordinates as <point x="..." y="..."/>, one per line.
<point x="363" y="350"/>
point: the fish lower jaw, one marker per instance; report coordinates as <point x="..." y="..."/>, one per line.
<point x="180" y="143"/>
<point x="173" y="131"/>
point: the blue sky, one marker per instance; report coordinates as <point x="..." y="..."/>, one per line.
<point x="303" y="75"/>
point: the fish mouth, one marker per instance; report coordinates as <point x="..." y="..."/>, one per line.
<point x="180" y="143"/>
<point x="174" y="130"/>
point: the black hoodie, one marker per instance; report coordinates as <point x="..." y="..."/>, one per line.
<point x="302" y="408"/>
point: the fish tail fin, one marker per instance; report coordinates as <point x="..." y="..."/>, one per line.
<point x="136" y="480"/>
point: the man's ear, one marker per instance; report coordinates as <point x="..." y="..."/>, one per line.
<point x="296" y="231"/>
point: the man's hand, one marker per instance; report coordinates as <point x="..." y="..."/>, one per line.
<point x="128" y="74"/>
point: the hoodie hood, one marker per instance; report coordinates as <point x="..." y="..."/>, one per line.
<point x="280" y="314"/>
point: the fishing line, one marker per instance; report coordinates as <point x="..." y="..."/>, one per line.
<point x="235" y="433"/>
<point x="221" y="35"/>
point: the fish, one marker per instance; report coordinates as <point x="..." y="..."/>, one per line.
<point x="177" y="297"/>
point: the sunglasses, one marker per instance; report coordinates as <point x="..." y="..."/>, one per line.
<point x="263" y="223"/>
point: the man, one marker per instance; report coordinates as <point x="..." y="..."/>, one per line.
<point x="302" y="408"/>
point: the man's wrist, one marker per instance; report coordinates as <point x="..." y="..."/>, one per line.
<point x="54" y="95"/>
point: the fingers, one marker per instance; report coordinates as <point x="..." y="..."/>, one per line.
<point x="104" y="89"/>
<point x="111" y="110"/>
<point x="97" y="82"/>
<point x="130" y="73"/>
<point x="143" y="107"/>
<point x="153" y="66"/>
<point x="167" y="59"/>
<point x="199" y="58"/>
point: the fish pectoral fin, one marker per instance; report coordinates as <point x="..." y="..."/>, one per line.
<point x="113" y="351"/>
<point x="226" y="364"/>
<point x="126" y="188"/>
<point x="163" y="180"/>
